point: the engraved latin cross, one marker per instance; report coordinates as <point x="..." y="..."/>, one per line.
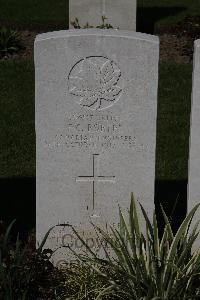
<point x="95" y="178"/>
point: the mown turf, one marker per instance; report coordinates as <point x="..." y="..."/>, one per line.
<point x="17" y="136"/>
<point x="43" y="14"/>
<point x="34" y="14"/>
<point x="173" y="125"/>
<point x="167" y="11"/>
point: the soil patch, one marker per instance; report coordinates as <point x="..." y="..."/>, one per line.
<point x="172" y="48"/>
<point x="176" y="41"/>
<point x="27" y="40"/>
<point x="183" y="34"/>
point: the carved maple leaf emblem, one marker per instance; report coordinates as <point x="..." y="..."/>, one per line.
<point x="95" y="83"/>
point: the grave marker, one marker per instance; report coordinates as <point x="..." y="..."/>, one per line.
<point x="194" y="154"/>
<point x="120" y="14"/>
<point x="96" y="108"/>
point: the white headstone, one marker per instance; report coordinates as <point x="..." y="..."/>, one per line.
<point x="96" y="108"/>
<point x="194" y="156"/>
<point x="119" y="13"/>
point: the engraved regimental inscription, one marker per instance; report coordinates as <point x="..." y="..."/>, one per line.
<point x="94" y="81"/>
<point x="94" y="131"/>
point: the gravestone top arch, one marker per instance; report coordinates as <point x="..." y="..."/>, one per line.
<point x="97" y="32"/>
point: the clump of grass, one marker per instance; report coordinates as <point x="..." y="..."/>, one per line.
<point x="103" y="25"/>
<point x="26" y="273"/>
<point x="14" y="278"/>
<point x="83" y="283"/>
<point x="9" y="41"/>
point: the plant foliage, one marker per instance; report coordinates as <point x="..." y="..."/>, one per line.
<point x="103" y="25"/>
<point x="14" y="278"/>
<point x="144" y="267"/>
<point x="9" y="41"/>
<point x="137" y="264"/>
<point x="26" y="273"/>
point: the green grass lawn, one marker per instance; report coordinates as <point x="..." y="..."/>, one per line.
<point x="169" y="11"/>
<point x="17" y="135"/>
<point x="34" y="14"/>
<point x="17" y="147"/>
<point x="173" y="125"/>
<point x="45" y="14"/>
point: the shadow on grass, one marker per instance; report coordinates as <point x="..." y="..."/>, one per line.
<point x="39" y="27"/>
<point x="19" y="202"/>
<point x="148" y="16"/>
<point x="40" y="16"/>
<point x="172" y="195"/>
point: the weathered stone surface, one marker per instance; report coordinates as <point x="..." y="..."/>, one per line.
<point x="96" y="107"/>
<point x="120" y="14"/>
<point x="194" y="156"/>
